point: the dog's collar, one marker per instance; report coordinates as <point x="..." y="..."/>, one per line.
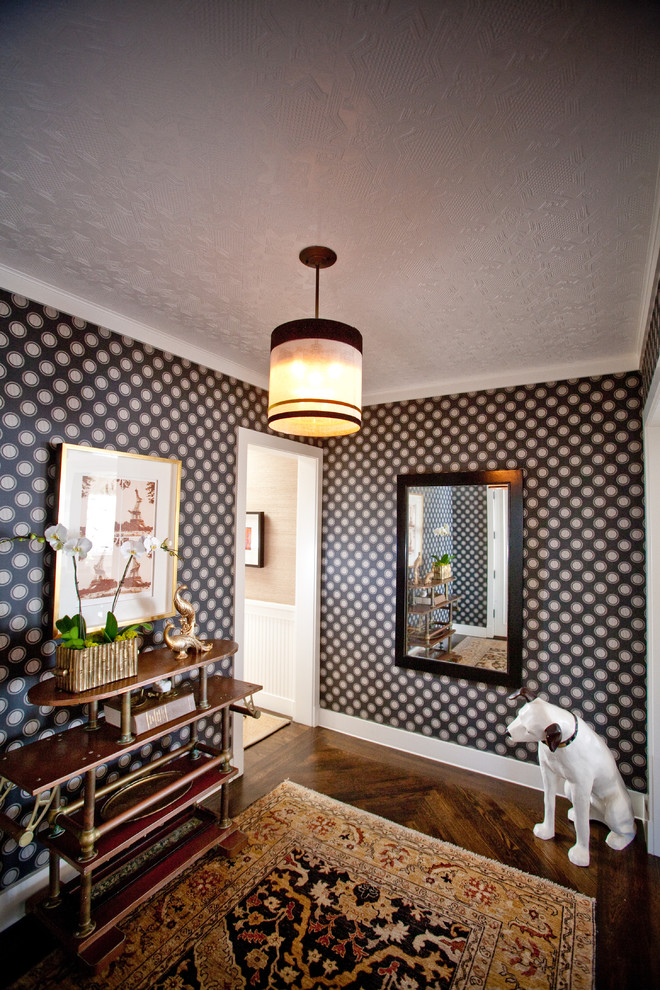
<point x="571" y="738"/>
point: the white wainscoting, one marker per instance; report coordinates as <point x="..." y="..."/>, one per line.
<point x="269" y="653"/>
<point x="480" y="631"/>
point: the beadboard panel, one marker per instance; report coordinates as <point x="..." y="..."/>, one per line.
<point x="269" y="653"/>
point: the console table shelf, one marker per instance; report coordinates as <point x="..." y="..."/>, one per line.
<point x="127" y="838"/>
<point x="45" y="763"/>
<point x="424" y="601"/>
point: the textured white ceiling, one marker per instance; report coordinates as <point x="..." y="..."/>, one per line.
<point x="484" y="169"/>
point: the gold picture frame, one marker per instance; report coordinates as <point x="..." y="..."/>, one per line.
<point x="109" y="497"/>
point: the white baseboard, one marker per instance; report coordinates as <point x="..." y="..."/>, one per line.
<point x="274" y="703"/>
<point x="501" y="767"/>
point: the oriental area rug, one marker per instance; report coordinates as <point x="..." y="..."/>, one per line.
<point x="476" y="652"/>
<point x="327" y="896"/>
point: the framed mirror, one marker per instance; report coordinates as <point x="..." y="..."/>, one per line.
<point x="459" y="574"/>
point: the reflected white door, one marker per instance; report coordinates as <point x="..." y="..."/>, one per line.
<point x="498" y="558"/>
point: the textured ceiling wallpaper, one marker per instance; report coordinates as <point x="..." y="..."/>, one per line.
<point x="485" y="172"/>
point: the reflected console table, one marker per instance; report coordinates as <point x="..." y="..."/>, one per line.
<point x="128" y="838"/>
<point x="432" y="603"/>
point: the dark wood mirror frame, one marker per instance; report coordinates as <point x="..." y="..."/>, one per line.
<point x="513" y="480"/>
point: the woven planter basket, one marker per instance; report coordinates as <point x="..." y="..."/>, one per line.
<point x="80" y="670"/>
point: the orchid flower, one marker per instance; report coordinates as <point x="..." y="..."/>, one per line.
<point x="133" y="548"/>
<point x="73" y="629"/>
<point x="77" y="547"/>
<point x="57" y="536"/>
<point x="153" y="543"/>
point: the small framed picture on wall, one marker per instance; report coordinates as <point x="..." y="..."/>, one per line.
<point x="254" y="539"/>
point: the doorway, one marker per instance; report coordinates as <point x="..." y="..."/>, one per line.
<point x="304" y="676"/>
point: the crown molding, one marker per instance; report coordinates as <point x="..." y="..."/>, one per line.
<point x="73" y="305"/>
<point x="505" y="379"/>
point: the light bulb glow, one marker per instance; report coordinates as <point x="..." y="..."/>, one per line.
<point x="315" y="387"/>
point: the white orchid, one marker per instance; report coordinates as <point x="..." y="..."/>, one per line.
<point x="133" y="548"/>
<point x="441" y="530"/>
<point x="77" y="546"/>
<point x="73" y="629"/>
<point x="153" y="543"/>
<point x="57" y="536"/>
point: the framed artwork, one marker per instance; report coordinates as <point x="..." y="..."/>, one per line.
<point x="110" y="497"/>
<point x="415" y="519"/>
<point x="254" y="539"/>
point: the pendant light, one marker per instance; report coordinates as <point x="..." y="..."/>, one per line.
<point x="315" y="387"/>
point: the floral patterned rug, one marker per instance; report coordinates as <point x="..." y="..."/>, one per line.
<point x="477" y="652"/>
<point x="325" y="895"/>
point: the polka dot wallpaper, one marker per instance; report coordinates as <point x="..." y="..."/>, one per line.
<point x="579" y="444"/>
<point x="470" y="568"/>
<point x="64" y="380"/>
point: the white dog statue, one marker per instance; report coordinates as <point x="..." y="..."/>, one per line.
<point x="570" y="750"/>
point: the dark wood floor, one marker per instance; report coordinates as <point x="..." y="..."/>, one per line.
<point x="484" y="815"/>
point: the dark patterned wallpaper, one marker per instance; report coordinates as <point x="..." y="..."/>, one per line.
<point x="64" y="380"/>
<point x="579" y="444"/>
<point x="436" y="513"/>
<point x="470" y="568"/>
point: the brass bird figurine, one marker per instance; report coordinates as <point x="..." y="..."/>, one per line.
<point x="183" y="639"/>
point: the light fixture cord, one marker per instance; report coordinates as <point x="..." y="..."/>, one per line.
<point x="316" y="308"/>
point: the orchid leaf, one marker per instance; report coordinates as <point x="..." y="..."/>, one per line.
<point x="111" y="628"/>
<point x="132" y="631"/>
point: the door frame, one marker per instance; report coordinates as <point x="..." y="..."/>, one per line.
<point x="308" y="571"/>
<point x="498" y="542"/>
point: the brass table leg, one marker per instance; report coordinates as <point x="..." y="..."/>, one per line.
<point x="93" y="716"/>
<point x="54" y="890"/>
<point x="88" y="834"/>
<point x="194" y="739"/>
<point x="226" y="745"/>
<point x="126" y="734"/>
<point x="225" y="820"/>
<point x="85" y="924"/>
<point x="87" y="851"/>
<point x="203" y="695"/>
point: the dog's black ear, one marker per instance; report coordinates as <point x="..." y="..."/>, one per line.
<point x="553" y="736"/>
<point x="522" y="693"/>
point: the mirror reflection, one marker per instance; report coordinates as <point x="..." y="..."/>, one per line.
<point x="459" y="563"/>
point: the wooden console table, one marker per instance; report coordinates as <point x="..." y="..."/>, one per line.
<point x="429" y="633"/>
<point x="125" y="840"/>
